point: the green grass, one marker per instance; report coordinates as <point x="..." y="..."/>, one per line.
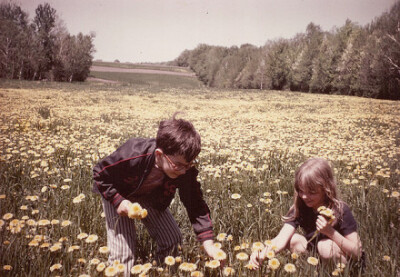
<point x="252" y="143"/>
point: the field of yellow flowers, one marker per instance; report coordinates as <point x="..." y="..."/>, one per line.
<point x="252" y="142"/>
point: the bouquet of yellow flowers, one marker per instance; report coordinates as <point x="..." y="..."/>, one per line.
<point x="136" y="211"/>
<point x="328" y="214"/>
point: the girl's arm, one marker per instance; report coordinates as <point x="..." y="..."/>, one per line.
<point x="349" y="244"/>
<point x="280" y="242"/>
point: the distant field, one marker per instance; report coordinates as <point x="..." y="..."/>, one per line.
<point x="143" y="66"/>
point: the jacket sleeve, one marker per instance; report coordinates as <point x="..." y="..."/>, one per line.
<point x="192" y="198"/>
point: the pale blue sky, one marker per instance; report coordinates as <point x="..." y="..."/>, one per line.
<point x="159" y="30"/>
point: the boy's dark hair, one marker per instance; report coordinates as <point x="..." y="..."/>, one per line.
<point x="178" y="137"/>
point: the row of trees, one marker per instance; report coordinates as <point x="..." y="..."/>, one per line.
<point x="351" y="60"/>
<point x="43" y="48"/>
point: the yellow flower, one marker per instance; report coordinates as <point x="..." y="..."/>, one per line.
<point x="169" y="260"/>
<point x="386" y="258"/>
<point x="67" y="180"/>
<point x="221" y="236"/>
<point x="82" y="261"/>
<point x="244" y="245"/>
<point x="100" y="267"/>
<point x="24" y="207"/>
<point x="196" y="274"/>
<point x="55" y="267"/>
<point x="43" y="222"/>
<point x="242" y="256"/>
<point x="295" y="256"/>
<point x="228" y="271"/>
<point x="91" y="238"/>
<point x="257" y="246"/>
<point x="2" y="196"/>
<point x="120" y="268"/>
<point x="65" y="187"/>
<point x="45" y="245"/>
<point x="236" y="248"/>
<point x="54" y="222"/>
<point x="267" y="194"/>
<point x="290" y="268"/>
<point x="178" y="259"/>
<point x="274" y="263"/>
<point x="104" y="250"/>
<point x="143" y="213"/>
<point x="82" y="236"/>
<point x="8" y="216"/>
<point x="55" y="247"/>
<point x="236" y="196"/>
<point x="336" y="272"/>
<point x="229" y="238"/>
<point x="110" y="271"/>
<point x="78" y="199"/>
<point x="250" y="266"/>
<point x="7" y="267"/>
<point x="136" y="269"/>
<point x="134" y="210"/>
<point x="65" y="223"/>
<point x="221" y="255"/>
<point x="312" y="260"/>
<point x="270" y="254"/>
<point x="395" y="194"/>
<point x="213" y="264"/>
<point x="33" y="242"/>
<point x="94" y="261"/>
<point x="72" y="248"/>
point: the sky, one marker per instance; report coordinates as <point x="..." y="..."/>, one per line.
<point x="142" y="31"/>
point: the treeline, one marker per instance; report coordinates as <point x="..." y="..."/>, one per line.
<point x="351" y="60"/>
<point x="43" y="48"/>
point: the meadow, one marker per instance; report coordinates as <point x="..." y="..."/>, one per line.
<point x="252" y="142"/>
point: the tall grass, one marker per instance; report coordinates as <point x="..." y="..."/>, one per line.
<point x="252" y="144"/>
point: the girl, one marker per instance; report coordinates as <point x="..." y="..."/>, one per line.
<point x="338" y="239"/>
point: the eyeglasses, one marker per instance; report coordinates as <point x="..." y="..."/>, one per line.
<point x="180" y="166"/>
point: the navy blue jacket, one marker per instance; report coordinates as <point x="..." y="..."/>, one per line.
<point x="118" y="176"/>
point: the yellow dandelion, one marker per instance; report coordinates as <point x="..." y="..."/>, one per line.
<point x="229" y="238"/>
<point x="236" y="248"/>
<point x="33" y="243"/>
<point x="54" y="222"/>
<point x="244" y="245"/>
<point x="65" y="223"/>
<point x="84" y="275"/>
<point x="134" y="210"/>
<point x="73" y="248"/>
<point x="44" y="189"/>
<point x="65" y="187"/>
<point x="257" y="246"/>
<point x="196" y="274"/>
<point x="236" y="196"/>
<point x="213" y="264"/>
<point x="1" y="223"/>
<point x="91" y="238"/>
<point x="395" y="194"/>
<point x="120" y="268"/>
<point x="78" y="199"/>
<point x="270" y="254"/>
<point x="110" y="271"/>
<point x="147" y="267"/>
<point x="312" y="260"/>
<point x="143" y="213"/>
<point x="341" y="266"/>
<point x="55" y="267"/>
<point x="53" y="186"/>
<point x="55" y="247"/>
<point x="43" y="222"/>
<point x="274" y="263"/>
<point x="218" y="245"/>
<point x="250" y="266"/>
<point x="136" y="269"/>
<point x="100" y="267"/>
<point x="104" y="250"/>
<point x="2" y="196"/>
<point x="7" y="267"/>
<point x="45" y="245"/>
<point x="62" y="239"/>
<point x="336" y="272"/>
<point x="8" y="216"/>
<point x="249" y="205"/>
<point x="295" y="256"/>
<point x="67" y="180"/>
<point x="82" y="261"/>
<point x="178" y="259"/>
<point x="221" y="255"/>
<point x="386" y="258"/>
<point x="169" y="260"/>
<point x="242" y="256"/>
<point x="221" y="236"/>
<point x="82" y="236"/>
<point x="23" y="207"/>
<point x="35" y="212"/>
<point x="228" y="271"/>
<point x="94" y="261"/>
<point x="290" y="268"/>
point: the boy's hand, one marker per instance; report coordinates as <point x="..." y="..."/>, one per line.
<point x="212" y="250"/>
<point x="123" y="208"/>
<point x="257" y="257"/>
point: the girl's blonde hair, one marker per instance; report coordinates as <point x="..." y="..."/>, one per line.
<point x="312" y="174"/>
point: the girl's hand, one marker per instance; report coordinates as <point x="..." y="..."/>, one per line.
<point x="323" y="226"/>
<point x="212" y="250"/>
<point x="257" y="257"/>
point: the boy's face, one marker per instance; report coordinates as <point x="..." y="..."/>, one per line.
<point x="172" y="165"/>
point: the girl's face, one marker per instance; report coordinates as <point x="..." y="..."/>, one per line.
<point x="312" y="198"/>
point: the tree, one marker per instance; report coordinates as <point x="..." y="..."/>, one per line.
<point x="45" y="21"/>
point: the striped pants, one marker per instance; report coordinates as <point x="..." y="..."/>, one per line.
<point x="121" y="234"/>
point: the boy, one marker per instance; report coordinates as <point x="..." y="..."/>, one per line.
<point x="149" y="171"/>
